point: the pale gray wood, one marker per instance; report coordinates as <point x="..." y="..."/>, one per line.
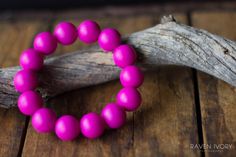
<point x="168" y="43"/>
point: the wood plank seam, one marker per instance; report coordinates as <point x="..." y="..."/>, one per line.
<point x="198" y="111"/>
<point x="22" y="140"/>
<point x="196" y="98"/>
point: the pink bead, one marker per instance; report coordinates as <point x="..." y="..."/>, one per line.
<point x="129" y="98"/>
<point x="67" y="128"/>
<point x="25" y="80"/>
<point x="66" y="33"/>
<point x="29" y="102"/>
<point x="109" y="39"/>
<point x="31" y="59"/>
<point x="114" y="115"/>
<point x="88" y="31"/>
<point x="92" y="125"/>
<point x="124" y="55"/>
<point x="45" y="43"/>
<point x="131" y="76"/>
<point x="43" y="120"/>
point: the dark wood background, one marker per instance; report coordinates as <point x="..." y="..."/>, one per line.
<point x="62" y="4"/>
<point x="181" y="106"/>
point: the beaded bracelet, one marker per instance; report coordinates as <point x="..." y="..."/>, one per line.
<point x="92" y="124"/>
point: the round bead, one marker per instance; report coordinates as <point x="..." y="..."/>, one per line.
<point x="114" y="115"/>
<point x="25" y="80"/>
<point x="131" y="76"/>
<point x="88" y="31"/>
<point x="67" y="128"/>
<point x="124" y="55"/>
<point x="66" y="33"/>
<point x="92" y="125"/>
<point x="31" y="59"/>
<point x="43" y="120"/>
<point x="45" y="43"/>
<point x="29" y="102"/>
<point x="109" y="39"/>
<point x="129" y="98"/>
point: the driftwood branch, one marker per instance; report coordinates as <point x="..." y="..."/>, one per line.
<point x="164" y="44"/>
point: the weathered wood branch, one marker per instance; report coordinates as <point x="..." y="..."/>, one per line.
<point x="164" y="44"/>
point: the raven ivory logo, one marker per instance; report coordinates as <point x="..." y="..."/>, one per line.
<point x="211" y="147"/>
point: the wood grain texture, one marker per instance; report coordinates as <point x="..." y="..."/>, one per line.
<point x="15" y="37"/>
<point x="166" y="124"/>
<point x="218" y="99"/>
<point x="168" y="105"/>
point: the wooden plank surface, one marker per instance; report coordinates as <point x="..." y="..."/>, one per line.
<point x="218" y="99"/>
<point x="166" y="123"/>
<point x="155" y="130"/>
<point x="14" y="37"/>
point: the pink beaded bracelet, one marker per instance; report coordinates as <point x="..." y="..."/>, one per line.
<point x="91" y="125"/>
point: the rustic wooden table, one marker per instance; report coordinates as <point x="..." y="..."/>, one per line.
<point x="181" y="106"/>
